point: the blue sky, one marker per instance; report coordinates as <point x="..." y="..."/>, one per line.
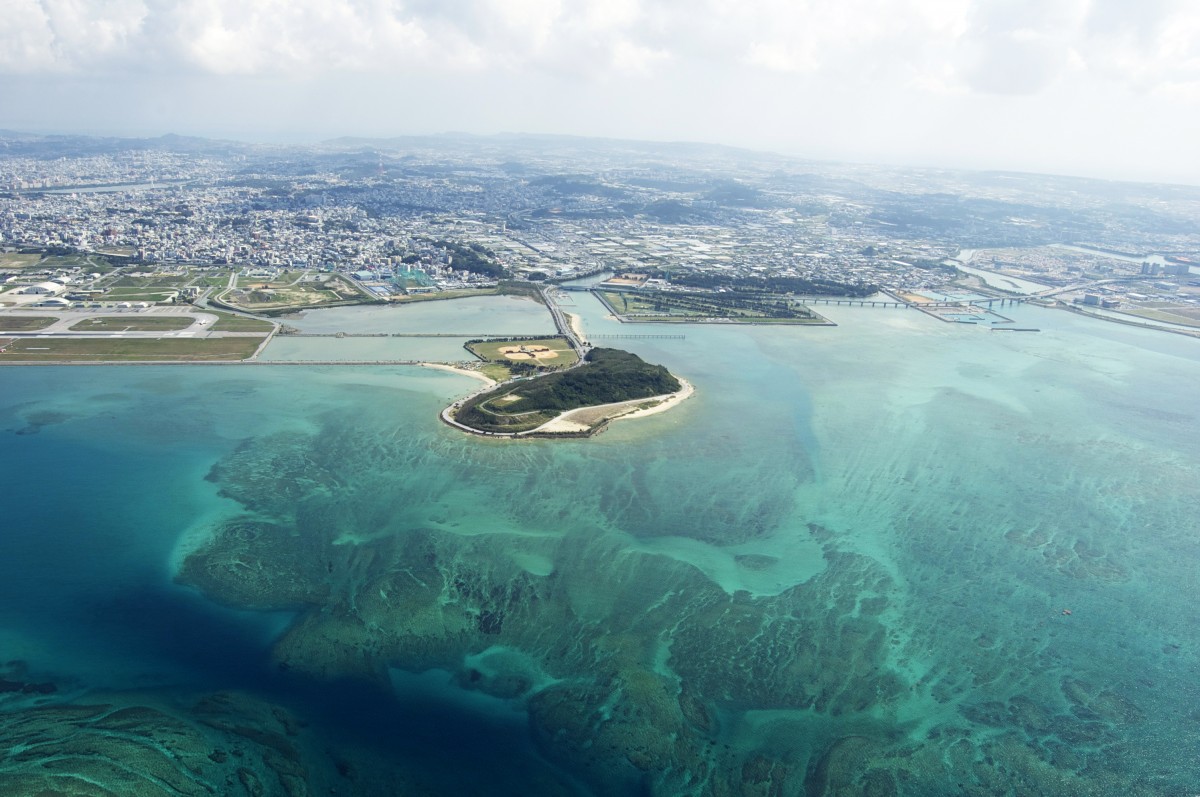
<point x="1106" y="88"/>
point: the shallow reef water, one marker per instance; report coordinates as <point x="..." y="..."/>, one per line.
<point x="895" y="557"/>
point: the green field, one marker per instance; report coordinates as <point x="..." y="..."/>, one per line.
<point x="257" y="298"/>
<point x="1174" y="314"/>
<point x="455" y="294"/>
<point x="151" y="282"/>
<point x="127" y="349"/>
<point x="25" y="323"/>
<point x="284" y="279"/>
<point x="65" y="261"/>
<point x="14" y="260"/>
<point x="136" y="295"/>
<point x="609" y="376"/>
<point x="133" y="323"/>
<point x="497" y="371"/>
<point x="490" y="350"/>
<point x="738" y="308"/>
<point x="231" y="322"/>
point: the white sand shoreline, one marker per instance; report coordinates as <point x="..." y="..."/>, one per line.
<point x="462" y="371"/>
<point x="576" y="325"/>
<point x="566" y="422"/>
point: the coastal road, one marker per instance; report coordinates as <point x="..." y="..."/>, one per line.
<point x="562" y="323"/>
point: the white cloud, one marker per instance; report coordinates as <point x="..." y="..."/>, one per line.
<point x="752" y="71"/>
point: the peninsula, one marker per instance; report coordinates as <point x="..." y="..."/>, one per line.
<point x="611" y="382"/>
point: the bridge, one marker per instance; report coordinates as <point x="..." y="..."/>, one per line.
<point x="400" y="335"/>
<point x="563" y="325"/>
<point x="896" y="302"/>
<point x="660" y="337"/>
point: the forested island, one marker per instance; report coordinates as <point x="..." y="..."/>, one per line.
<point x="607" y="376"/>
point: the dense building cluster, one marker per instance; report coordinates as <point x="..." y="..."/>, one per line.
<point x="390" y="216"/>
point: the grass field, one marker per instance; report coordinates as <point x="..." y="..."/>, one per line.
<point x="668" y="307"/>
<point x="133" y="323"/>
<point x="14" y="260"/>
<point x="1180" y="314"/>
<point x="497" y="371"/>
<point x="126" y="349"/>
<point x="25" y="323"/>
<point x="305" y="294"/>
<point x="284" y="279"/>
<point x="65" y="261"/>
<point x="229" y="322"/>
<point x="456" y="294"/>
<point x="137" y="295"/>
<point x="491" y="351"/>
<point x="151" y="282"/>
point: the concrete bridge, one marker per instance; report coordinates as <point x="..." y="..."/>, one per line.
<point x="562" y="324"/>
<point x="400" y="335"/>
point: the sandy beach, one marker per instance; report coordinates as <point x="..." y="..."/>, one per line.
<point x="463" y="371"/>
<point x="584" y="418"/>
<point x="576" y="325"/>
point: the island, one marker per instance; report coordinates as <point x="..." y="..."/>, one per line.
<point x="577" y="402"/>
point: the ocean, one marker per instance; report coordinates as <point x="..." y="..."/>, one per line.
<point x="896" y="556"/>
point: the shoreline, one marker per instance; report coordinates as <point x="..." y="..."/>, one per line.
<point x="576" y="325"/>
<point x="461" y="371"/>
<point x="666" y="401"/>
<point x="564" y="426"/>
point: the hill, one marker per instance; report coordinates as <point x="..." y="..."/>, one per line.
<point x="606" y="377"/>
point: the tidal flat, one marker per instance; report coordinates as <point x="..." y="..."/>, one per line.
<point x="895" y="557"/>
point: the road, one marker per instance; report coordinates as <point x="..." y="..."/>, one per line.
<point x="563" y="324"/>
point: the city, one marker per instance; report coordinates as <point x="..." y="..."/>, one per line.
<point x="356" y="221"/>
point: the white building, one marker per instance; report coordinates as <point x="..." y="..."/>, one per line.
<point x="44" y="289"/>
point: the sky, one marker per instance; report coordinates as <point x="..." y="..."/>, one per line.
<point x="1100" y="88"/>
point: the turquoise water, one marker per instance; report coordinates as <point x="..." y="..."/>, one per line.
<point x="421" y="349"/>
<point x="493" y="315"/>
<point x="478" y="316"/>
<point x="842" y="567"/>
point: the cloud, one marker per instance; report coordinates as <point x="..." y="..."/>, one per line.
<point x="946" y="47"/>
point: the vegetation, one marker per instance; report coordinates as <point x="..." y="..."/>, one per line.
<point x="608" y="376"/>
<point x="768" y="285"/>
<point x="18" y="260"/>
<point x="169" y="281"/>
<point x="25" y="323"/>
<point x="517" y="288"/>
<point x="137" y="295"/>
<point x="133" y="323"/>
<point x="461" y="293"/>
<point x="678" y="306"/>
<point x="490" y="350"/>
<point x="501" y="367"/>
<point x="127" y="349"/>
<point x="258" y="295"/>
<point x="474" y="258"/>
<point x="231" y="322"/>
